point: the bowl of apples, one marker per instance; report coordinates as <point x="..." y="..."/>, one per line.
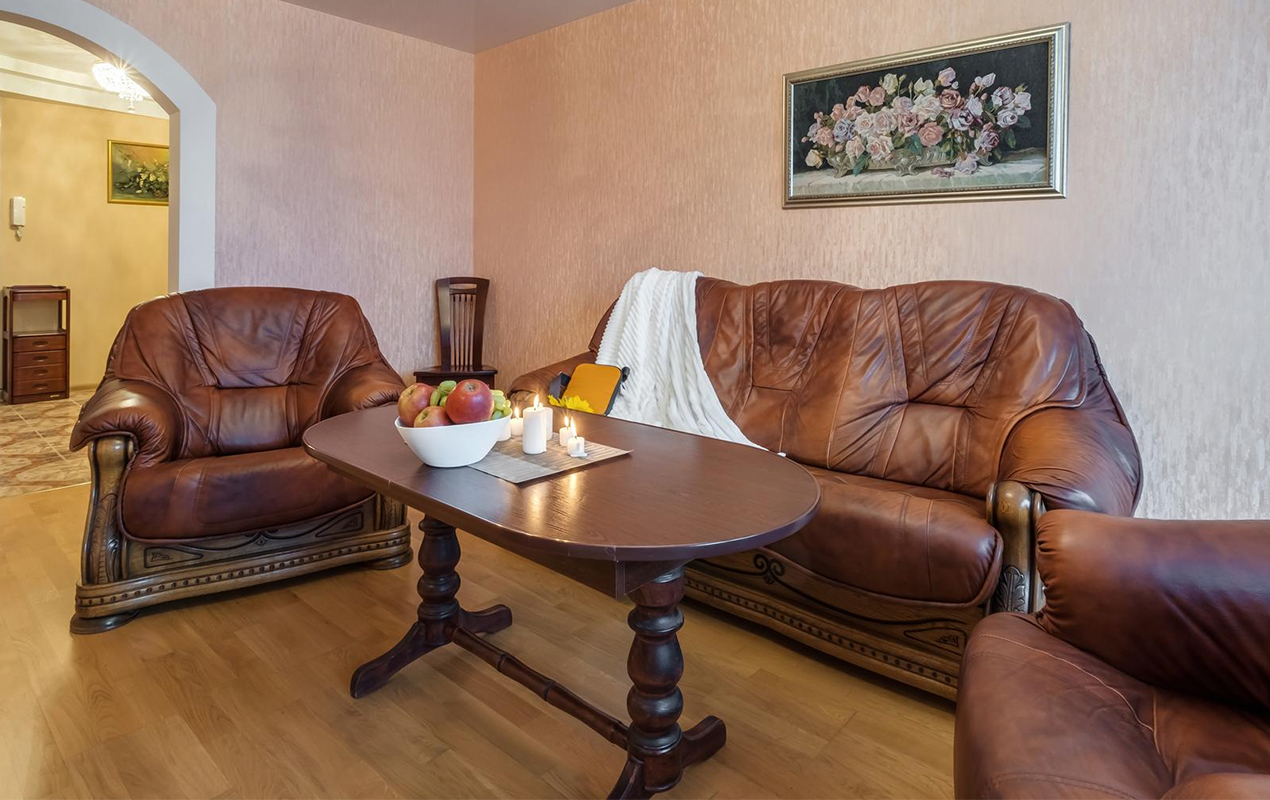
<point x="453" y="424"/>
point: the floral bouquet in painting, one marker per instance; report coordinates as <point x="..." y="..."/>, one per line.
<point x="145" y="180"/>
<point x="138" y="173"/>
<point x="923" y="123"/>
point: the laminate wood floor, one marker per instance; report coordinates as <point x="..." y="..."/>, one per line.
<point x="246" y="694"/>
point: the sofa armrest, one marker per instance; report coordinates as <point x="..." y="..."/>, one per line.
<point x="367" y="386"/>
<point x="1014" y="509"/>
<point x="526" y="386"/>
<point x="145" y="413"/>
<point x="1178" y="604"/>
<point x="1080" y="458"/>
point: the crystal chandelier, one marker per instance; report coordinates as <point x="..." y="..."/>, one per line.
<point x="117" y="80"/>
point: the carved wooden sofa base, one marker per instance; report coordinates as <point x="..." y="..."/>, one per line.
<point x="918" y="644"/>
<point x="121" y="575"/>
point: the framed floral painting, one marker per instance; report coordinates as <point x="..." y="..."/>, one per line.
<point x="979" y="120"/>
<point x="136" y="173"/>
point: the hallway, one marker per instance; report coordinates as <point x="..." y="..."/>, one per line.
<point x="34" y="452"/>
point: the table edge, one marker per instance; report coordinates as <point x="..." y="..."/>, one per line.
<point x="515" y="539"/>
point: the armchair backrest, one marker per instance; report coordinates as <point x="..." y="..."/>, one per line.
<point x="248" y="367"/>
<point x="919" y="383"/>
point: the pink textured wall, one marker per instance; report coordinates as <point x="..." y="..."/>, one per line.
<point x="344" y="154"/>
<point x="651" y="134"/>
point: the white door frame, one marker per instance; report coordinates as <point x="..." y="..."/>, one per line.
<point x="192" y="210"/>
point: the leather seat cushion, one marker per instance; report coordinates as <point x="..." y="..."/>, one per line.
<point x="1037" y="717"/>
<point x="198" y="497"/>
<point x="898" y="540"/>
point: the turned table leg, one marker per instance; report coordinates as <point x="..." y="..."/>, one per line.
<point x="657" y="749"/>
<point x="439" y="612"/>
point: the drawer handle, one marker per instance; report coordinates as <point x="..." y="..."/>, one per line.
<point x="39" y="358"/>
<point x="41" y="372"/>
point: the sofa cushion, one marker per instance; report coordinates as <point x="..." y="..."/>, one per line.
<point x="197" y="497"/>
<point x="1037" y="717"/>
<point x="898" y="540"/>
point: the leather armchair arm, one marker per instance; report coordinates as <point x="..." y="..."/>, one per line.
<point x="1178" y="604"/>
<point x="145" y="413"/>
<point x="1081" y="458"/>
<point x="367" y="386"/>
<point x="526" y="386"/>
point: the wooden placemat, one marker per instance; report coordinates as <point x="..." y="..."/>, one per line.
<point x="509" y="462"/>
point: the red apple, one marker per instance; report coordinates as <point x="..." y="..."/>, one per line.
<point x="432" y="417"/>
<point x="413" y="399"/>
<point x="470" y="401"/>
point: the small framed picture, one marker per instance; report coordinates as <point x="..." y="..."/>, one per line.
<point x="136" y="173"/>
<point x="978" y="120"/>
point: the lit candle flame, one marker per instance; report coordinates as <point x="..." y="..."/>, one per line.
<point x="535" y="401"/>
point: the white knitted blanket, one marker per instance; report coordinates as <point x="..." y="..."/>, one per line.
<point x="653" y="332"/>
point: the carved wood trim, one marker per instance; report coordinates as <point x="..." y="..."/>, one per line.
<point x="897" y="659"/>
<point x="162" y="586"/>
<point x="102" y="553"/>
<point x="1014" y="509"/>
<point x="921" y="646"/>
<point x="143" y="556"/>
<point x="390" y="513"/>
<point x="1012" y="591"/>
<point x="833" y="599"/>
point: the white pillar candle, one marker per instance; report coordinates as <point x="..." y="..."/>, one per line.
<point x="536" y="430"/>
<point x="577" y="447"/>
<point x="569" y="431"/>
<point x="517" y="426"/>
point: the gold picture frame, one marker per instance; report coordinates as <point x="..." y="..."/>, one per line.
<point x="137" y="173"/>
<point x="970" y="142"/>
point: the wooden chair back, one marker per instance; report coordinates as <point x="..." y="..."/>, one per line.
<point x="461" y="320"/>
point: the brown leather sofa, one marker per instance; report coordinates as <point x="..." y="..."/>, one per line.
<point x="199" y="481"/>
<point x="1147" y="674"/>
<point x="940" y="420"/>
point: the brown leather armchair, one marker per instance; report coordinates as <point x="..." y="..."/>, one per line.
<point x="940" y="420"/>
<point x="199" y="481"/>
<point x="1146" y="674"/>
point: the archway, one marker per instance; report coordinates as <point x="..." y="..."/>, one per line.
<point x="192" y="208"/>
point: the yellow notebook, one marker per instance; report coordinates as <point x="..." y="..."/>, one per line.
<point x="595" y="384"/>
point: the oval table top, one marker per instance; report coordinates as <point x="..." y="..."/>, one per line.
<point x="675" y="497"/>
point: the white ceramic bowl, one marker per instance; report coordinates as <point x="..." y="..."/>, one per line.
<point x="453" y="445"/>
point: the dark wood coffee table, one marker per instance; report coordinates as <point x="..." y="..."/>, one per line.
<point x="625" y="527"/>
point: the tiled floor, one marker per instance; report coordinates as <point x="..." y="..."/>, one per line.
<point x="34" y="451"/>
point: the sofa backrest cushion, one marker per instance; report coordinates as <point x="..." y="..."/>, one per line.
<point x="918" y="383"/>
<point x="247" y="366"/>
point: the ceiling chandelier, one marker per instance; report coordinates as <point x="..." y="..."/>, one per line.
<point x="117" y="80"/>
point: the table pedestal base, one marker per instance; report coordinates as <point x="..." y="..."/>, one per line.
<point x="657" y="749"/>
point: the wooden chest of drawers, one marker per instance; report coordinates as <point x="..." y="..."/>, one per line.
<point x="36" y="362"/>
